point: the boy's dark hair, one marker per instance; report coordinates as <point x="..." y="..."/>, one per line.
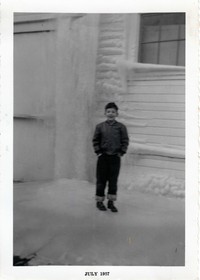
<point x="111" y="105"/>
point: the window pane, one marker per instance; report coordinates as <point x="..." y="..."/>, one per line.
<point x="173" y="18"/>
<point x="182" y="31"/>
<point x="149" y="53"/>
<point x="168" y="53"/>
<point x="150" y="34"/>
<point x="169" y="32"/>
<point x="163" y="18"/>
<point x="181" y="54"/>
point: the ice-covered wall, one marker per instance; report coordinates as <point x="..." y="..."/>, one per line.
<point x="55" y="57"/>
<point x="34" y="97"/>
<point x="76" y="57"/>
<point x="151" y="103"/>
<point x="76" y="66"/>
<point x="155" y="97"/>
<point x="111" y="48"/>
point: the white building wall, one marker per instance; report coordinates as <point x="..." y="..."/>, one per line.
<point x="34" y="98"/>
<point x="54" y="60"/>
<point x="66" y="70"/>
<point x="150" y="98"/>
<point x="76" y="63"/>
<point x="111" y="49"/>
<point x="155" y="102"/>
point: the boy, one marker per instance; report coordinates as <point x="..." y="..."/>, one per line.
<point x="110" y="142"/>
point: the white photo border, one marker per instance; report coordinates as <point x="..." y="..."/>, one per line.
<point x="8" y="8"/>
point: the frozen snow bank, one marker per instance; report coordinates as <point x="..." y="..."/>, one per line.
<point x="141" y="149"/>
<point x="152" y="183"/>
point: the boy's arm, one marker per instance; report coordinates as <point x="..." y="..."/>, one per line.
<point x="124" y="140"/>
<point x="96" y="140"/>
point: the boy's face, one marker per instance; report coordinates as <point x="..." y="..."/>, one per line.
<point x="111" y="113"/>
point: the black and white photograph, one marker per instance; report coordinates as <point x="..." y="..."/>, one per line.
<point x="99" y="138"/>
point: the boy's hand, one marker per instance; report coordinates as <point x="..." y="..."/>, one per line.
<point x="98" y="155"/>
<point x="120" y="154"/>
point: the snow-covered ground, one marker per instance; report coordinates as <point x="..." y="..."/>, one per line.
<point x="59" y="223"/>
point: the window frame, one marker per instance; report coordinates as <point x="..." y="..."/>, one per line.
<point x="140" y="43"/>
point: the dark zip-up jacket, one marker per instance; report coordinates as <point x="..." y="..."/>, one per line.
<point x="110" y="137"/>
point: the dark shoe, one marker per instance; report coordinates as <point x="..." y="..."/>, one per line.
<point x="101" y="206"/>
<point x="111" y="206"/>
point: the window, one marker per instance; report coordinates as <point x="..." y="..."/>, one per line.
<point x="162" y="38"/>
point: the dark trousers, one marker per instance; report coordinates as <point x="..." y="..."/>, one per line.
<point x="108" y="167"/>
